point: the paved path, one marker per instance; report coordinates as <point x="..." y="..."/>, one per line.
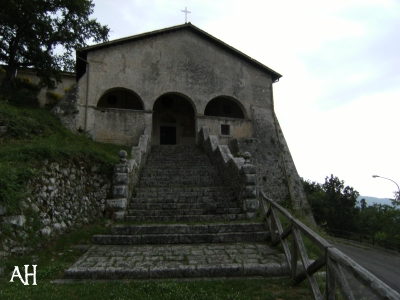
<point x="175" y="261"/>
<point x="383" y="265"/>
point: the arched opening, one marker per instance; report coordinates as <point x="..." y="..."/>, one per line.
<point x="120" y="98"/>
<point x="173" y="121"/>
<point x="224" y="107"/>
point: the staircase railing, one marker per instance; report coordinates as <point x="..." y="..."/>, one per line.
<point x="239" y="173"/>
<point x="338" y="267"/>
<point x="126" y="177"/>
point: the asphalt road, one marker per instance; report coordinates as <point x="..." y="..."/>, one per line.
<point x="383" y="265"/>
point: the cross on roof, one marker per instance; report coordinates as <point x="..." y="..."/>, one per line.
<point x="186" y="12"/>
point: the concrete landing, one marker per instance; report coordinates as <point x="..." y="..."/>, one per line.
<point x="178" y="261"/>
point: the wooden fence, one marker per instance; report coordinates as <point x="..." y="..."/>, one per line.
<point x="332" y="260"/>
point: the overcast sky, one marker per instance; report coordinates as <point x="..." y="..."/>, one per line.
<point x="339" y="98"/>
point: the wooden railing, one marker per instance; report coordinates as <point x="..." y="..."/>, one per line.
<point x="335" y="263"/>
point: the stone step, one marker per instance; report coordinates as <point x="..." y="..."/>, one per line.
<point x="182" y="182"/>
<point x="180" y="170"/>
<point x="173" y="193"/>
<point x="166" y="161"/>
<point x="145" y="205"/>
<point x="183" y="238"/>
<point x="184" y="172"/>
<point x="188" y="229"/>
<point x="178" y="261"/>
<point x="171" y="210"/>
<point x="177" y="177"/>
<point x="184" y="234"/>
<point x="187" y="218"/>
<point x="182" y="200"/>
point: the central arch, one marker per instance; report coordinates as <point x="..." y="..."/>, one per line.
<point x="173" y="120"/>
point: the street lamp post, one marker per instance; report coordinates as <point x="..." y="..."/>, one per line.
<point x="398" y="188"/>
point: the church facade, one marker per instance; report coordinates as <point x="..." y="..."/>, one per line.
<point x="174" y="80"/>
<point x="170" y="83"/>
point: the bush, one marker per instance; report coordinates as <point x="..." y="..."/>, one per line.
<point x="21" y="92"/>
<point x="53" y="98"/>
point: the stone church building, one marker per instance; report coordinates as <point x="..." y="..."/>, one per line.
<point x="170" y="83"/>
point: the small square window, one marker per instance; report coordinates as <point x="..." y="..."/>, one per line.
<point x="225" y="129"/>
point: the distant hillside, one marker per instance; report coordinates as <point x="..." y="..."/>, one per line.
<point x="372" y="200"/>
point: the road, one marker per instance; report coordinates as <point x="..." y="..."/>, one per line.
<point x="383" y="265"/>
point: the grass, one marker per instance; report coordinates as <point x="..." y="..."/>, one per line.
<point x="165" y="289"/>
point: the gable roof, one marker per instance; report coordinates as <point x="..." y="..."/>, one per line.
<point x="82" y="52"/>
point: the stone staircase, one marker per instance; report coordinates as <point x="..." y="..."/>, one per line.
<point x="178" y="189"/>
<point x="183" y="234"/>
<point x="179" y="183"/>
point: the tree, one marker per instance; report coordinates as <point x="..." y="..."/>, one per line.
<point x="396" y="200"/>
<point x="316" y="199"/>
<point x="341" y="203"/>
<point x="333" y="204"/>
<point x="31" y="30"/>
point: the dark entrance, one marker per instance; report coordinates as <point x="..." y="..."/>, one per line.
<point x="174" y="120"/>
<point x="167" y="135"/>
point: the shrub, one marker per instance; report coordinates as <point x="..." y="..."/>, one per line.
<point x="52" y="98"/>
<point x="21" y="92"/>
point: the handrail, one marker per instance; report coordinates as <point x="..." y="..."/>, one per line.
<point x="334" y="260"/>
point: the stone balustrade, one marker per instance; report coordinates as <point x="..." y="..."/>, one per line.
<point x="238" y="172"/>
<point x="126" y="176"/>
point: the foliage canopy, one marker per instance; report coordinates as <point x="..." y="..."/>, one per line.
<point x="335" y="207"/>
<point x="32" y="30"/>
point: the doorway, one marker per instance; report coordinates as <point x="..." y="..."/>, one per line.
<point x="173" y="120"/>
<point x="167" y="135"/>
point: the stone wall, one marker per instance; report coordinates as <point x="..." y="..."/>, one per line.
<point x="276" y="172"/>
<point x="63" y="196"/>
<point x="239" y="128"/>
<point x="117" y="126"/>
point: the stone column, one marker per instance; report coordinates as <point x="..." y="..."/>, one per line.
<point x="249" y="196"/>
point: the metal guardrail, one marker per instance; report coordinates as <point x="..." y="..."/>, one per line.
<point x="335" y="262"/>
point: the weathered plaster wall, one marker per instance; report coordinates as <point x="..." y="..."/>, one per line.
<point x="117" y="126"/>
<point x="180" y="62"/>
<point x="239" y="128"/>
